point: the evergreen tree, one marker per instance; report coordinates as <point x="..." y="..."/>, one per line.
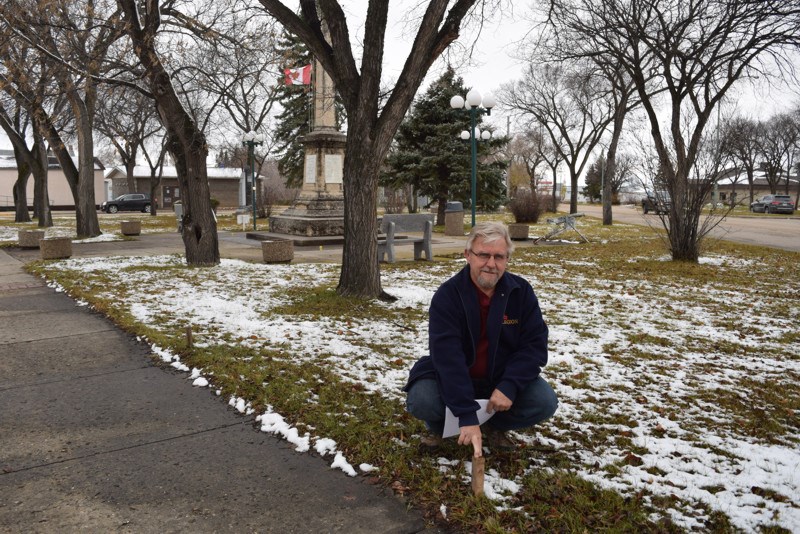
<point x="593" y="180"/>
<point x="295" y="119"/>
<point x="429" y="154"/>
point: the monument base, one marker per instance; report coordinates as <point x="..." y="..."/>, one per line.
<point x="308" y="226"/>
<point x="311" y="215"/>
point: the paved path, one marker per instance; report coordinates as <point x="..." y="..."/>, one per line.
<point x="774" y="231"/>
<point x="95" y="437"/>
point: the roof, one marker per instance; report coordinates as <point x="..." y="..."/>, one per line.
<point x="9" y="162"/>
<point x="728" y="176"/>
<point x="141" y="171"/>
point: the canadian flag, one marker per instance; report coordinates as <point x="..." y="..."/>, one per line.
<point x="299" y="76"/>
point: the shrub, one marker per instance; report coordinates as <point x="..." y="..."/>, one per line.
<point x="526" y="206"/>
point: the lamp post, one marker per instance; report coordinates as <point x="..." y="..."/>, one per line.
<point x="251" y="140"/>
<point x="473" y="105"/>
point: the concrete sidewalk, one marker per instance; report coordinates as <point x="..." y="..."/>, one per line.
<point x="95" y="437"/>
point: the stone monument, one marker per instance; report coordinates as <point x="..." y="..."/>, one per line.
<point x="319" y="208"/>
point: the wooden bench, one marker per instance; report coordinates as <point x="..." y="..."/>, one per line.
<point x="422" y="245"/>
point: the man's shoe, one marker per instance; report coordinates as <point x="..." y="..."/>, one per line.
<point x="499" y="441"/>
<point x="430" y="442"/>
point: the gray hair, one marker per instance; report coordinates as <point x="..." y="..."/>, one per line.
<point x="490" y="232"/>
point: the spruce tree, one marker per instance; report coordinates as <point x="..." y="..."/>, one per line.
<point x="429" y="154"/>
<point x="295" y="118"/>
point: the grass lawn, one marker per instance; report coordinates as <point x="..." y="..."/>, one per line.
<point x="679" y="383"/>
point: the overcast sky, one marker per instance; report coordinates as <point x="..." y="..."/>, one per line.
<point x="492" y="62"/>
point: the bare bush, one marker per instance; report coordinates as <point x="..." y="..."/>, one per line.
<point x="526" y="206"/>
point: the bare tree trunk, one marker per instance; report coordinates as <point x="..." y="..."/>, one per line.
<point x="358" y="277"/>
<point x="185" y="142"/>
<point x="573" y="194"/>
<point x="42" y="195"/>
<point x="199" y="224"/>
<point x="154" y="197"/>
<point x="129" y="175"/>
<point x="45" y="125"/>
<point x="39" y="161"/>
<point x="608" y="175"/>
<point x="86" y="221"/>
<point x="611" y="156"/>
<point x="21" y="213"/>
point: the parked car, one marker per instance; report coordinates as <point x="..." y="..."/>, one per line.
<point x="773" y="204"/>
<point x="658" y="202"/>
<point x="129" y="202"/>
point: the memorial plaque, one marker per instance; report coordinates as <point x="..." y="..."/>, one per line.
<point x="311" y="169"/>
<point x="334" y="167"/>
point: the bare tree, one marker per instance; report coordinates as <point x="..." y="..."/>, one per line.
<point x="74" y="38"/>
<point x="572" y="103"/>
<point x="528" y="149"/>
<point x="776" y="144"/>
<point x="154" y="154"/>
<point x="16" y="129"/>
<point x="27" y="79"/>
<point x="796" y="118"/>
<point x="791" y="138"/>
<point x="370" y="127"/>
<point x="128" y="119"/>
<point x="551" y="154"/>
<point x="611" y="184"/>
<point x="560" y="42"/>
<point x="693" y="52"/>
<point x="740" y="141"/>
<point x="186" y="141"/>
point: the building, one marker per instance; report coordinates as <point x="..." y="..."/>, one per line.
<point x="226" y="184"/>
<point x="58" y="188"/>
<point x="734" y="187"/>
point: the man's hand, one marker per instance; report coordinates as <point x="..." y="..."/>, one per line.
<point x="498" y="402"/>
<point x="472" y="434"/>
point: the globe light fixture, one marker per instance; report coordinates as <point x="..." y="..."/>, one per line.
<point x="251" y="139"/>
<point x="476" y="105"/>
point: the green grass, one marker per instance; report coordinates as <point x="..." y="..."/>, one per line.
<point x="620" y="263"/>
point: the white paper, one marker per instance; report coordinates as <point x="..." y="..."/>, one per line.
<point x="451" y="427"/>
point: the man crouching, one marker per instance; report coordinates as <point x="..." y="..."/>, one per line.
<point x="487" y="340"/>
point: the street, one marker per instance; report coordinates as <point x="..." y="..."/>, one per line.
<point x="776" y="231"/>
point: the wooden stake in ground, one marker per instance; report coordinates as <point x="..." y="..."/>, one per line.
<point x="478" y="467"/>
<point x="189" y="342"/>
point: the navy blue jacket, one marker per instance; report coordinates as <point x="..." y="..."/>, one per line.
<point x="517" y="337"/>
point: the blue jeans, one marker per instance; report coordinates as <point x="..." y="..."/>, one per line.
<point x="533" y="405"/>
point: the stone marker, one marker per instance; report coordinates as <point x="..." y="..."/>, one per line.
<point x="478" y="467"/>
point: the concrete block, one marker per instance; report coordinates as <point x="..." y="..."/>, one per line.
<point x="130" y="227"/>
<point x="518" y="231"/>
<point x="30" y="238"/>
<point x="54" y="248"/>
<point x="454" y="223"/>
<point x="277" y="250"/>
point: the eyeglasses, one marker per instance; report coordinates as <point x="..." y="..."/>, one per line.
<point x="485" y="256"/>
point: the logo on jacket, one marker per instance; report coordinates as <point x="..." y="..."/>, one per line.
<point x="506" y="320"/>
